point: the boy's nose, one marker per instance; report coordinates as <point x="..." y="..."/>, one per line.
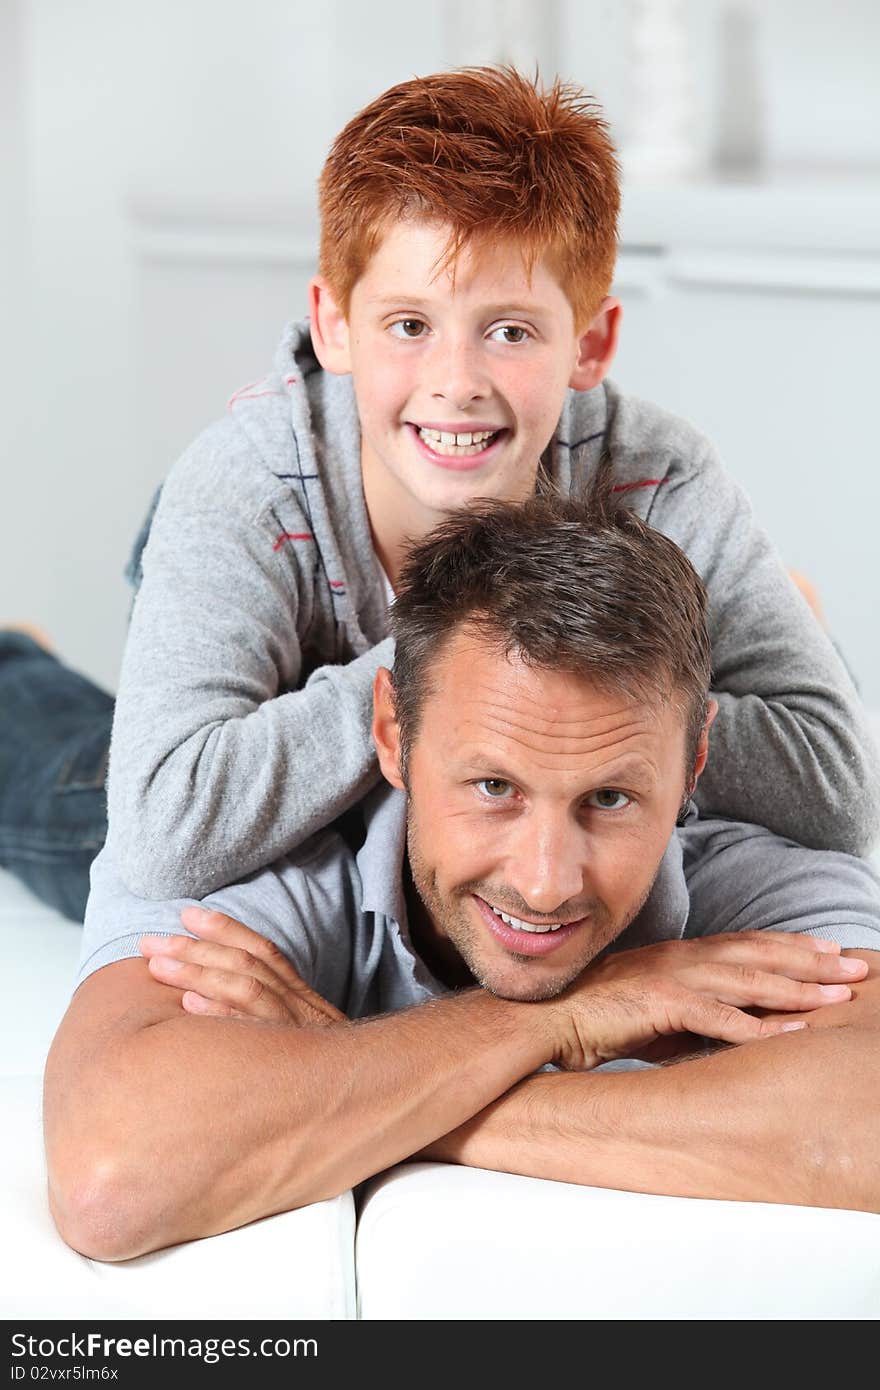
<point x="458" y="378"/>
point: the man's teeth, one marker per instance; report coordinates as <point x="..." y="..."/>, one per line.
<point x="524" y="926"/>
<point x="445" y="442"/>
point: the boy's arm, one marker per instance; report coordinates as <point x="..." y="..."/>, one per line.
<point x="219" y="763"/>
<point x="792" y="1119"/>
<point x="791" y="747"/>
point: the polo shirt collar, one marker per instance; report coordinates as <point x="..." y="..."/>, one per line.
<point x="380" y="858"/>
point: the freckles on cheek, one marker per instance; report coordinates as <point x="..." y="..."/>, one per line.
<point x="376" y="361"/>
<point x="530" y="390"/>
<point x="539" y="411"/>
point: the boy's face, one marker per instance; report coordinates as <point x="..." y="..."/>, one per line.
<point x="459" y="384"/>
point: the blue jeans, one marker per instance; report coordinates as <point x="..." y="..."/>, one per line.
<point x="54" y="743"/>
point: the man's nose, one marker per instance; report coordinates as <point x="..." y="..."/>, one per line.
<point x="458" y="375"/>
<point x="547" y="866"/>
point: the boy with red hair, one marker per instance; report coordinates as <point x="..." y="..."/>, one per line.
<point x="458" y="344"/>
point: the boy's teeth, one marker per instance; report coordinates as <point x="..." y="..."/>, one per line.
<point x="524" y="926"/>
<point x="469" y="441"/>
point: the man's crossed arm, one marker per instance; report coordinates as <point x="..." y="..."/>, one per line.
<point x="168" y="1118"/>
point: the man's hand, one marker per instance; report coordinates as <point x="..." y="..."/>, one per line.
<point x="629" y="1004"/>
<point x="233" y="972"/>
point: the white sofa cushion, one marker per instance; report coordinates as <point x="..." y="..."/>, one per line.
<point x="39" y="950"/>
<point x="437" y="1241"/>
<point x="295" y="1266"/>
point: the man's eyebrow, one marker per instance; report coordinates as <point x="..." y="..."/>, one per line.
<point x="630" y="768"/>
<point x="483" y="767"/>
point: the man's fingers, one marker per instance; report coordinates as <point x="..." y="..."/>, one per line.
<point x="794" y="956"/>
<point x="236" y="977"/>
<point x="711" y="1019"/>
<point x="194" y="1003"/>
<point x="209" y="953"/>
<point x="640" y="1023"/>
<point x="243" y="993"/>
<point x="818" y="943"/>
<point x="197" y="1004"/>
<point x="746" y="988"/>
<point x="225" y="931"/>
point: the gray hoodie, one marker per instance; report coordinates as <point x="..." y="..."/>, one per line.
<point x="243" y="716"/>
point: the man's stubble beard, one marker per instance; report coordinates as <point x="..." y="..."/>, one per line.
<point x="460" y="931"/>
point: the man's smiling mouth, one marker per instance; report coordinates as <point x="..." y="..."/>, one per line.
<point x="519" y="925"/>
<point x="521" y="938"/>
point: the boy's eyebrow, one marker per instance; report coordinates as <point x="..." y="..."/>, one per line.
<point x="521" y="310"/>
<point x="492" y="310"/>
<point x="408" y="299"/>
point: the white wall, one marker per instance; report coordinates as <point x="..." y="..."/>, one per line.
<point x="17" y="535"/>
<point x="157" y="226"/>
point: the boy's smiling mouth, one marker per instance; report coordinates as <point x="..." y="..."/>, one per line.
<point x="456" y="446"/>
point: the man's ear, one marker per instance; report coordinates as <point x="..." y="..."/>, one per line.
<point x="703" y="745"/>
<point x="329" y="328"/>
<point x="597" y="346"/>
<point x="386" y="734"/>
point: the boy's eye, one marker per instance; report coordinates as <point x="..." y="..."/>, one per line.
<point x="495" y="788"/>
<point x="511" y="333"/>
<point x="407" y="328"/>
<point x="607" y="799"/>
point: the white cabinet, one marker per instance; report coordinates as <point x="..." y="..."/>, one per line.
<point x="770" y="344"/>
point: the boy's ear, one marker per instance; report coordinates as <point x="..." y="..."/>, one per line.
<point x="703" y="745"/>
<point x="386" y="734"/>
<point x="597" y="346"/>
<point x="329" y="328"/>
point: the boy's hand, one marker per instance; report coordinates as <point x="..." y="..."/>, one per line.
<point x="631" y="1004"/>
<point x="233" y="972"/>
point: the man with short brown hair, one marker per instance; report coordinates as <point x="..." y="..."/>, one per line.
<point x="528" y="890"/>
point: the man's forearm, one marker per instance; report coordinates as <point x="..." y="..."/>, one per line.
<point x="190" y="1126"/>
<point x="794" y="1119"/>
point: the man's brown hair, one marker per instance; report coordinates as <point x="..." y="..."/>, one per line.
<point x="563" y="584"/>
<point x="491" y="154"/>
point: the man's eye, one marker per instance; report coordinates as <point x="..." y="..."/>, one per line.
<point x="607" y="799"/>
<point x="408" y="328"/>
<point x="495" y="788"/>
<point x="511" y="333"/>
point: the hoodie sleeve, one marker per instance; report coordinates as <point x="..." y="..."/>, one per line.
<point x="219" y="763"/>
<point x="791" y="748"/>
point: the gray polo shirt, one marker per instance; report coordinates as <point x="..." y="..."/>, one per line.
<point x="339" y="915"/>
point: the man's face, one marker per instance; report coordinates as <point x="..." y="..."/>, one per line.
<point x="460" y="384"/>
<point x="536" y="795"/>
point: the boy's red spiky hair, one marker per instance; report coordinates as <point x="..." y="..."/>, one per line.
<point x="492" y="155"/>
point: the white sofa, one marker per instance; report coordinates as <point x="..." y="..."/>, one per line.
<point x="430" y="1241"/>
